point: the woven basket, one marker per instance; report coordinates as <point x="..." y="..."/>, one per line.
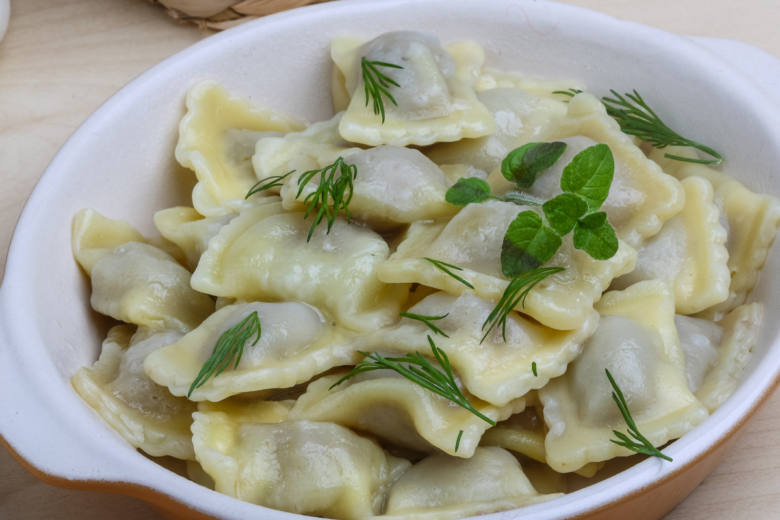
<point x="223" y="14"/>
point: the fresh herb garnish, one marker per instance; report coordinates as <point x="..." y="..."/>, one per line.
<point x="335" y="179"/>
<point x="530" y="243"/>
<point x="639" y="119"/>
<point x="645" y="447"/>
<point x="457" y="442"/>
<point x="427" y="376"/>
<point x="229" y="345"/>
<point x="515" y="293"/>
<point x="533" y="369"/>
<point x="268" y="183"/>
<point x="523" y="165"/>
<point x="427" y="320"/>
<point x="473" y="190"/>
<point x="443" y="267"/>
<point x="377" y="84"/>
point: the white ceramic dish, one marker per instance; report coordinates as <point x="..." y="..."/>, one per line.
<point x="121" y="163"/>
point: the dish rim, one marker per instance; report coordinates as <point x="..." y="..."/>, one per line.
<point x="729" y="422"/>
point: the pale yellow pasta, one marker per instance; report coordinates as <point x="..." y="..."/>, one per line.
<point x="689" y="252"/>
<point x="296" y="343"/>
<point x="302" y="467"/>
<point x="392" y="408"/>
<point x="492" y="78"/>
<point x="217" y="139"/>
<point x="641" y="198"/>
<point x="436" y="100"/>
<point x="494" y="370"/>
<point x="637" y="342"/>
<point x="444" y="488"/>
<point x="750" y="219"/>
<point x="264" y="255"/>
<point x="472" y="240"/>
<point x="145" y="414"/>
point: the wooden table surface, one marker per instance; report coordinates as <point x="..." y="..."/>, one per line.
<point x="62" y="58"/>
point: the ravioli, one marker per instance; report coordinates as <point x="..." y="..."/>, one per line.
<point x="641" y="198"/>
<point x="496" y="371"/>
<point x="689" y="252"/>
<point x="315" y="469"/>
<point x="296" y="343"/>
<point x="141" y="284"/>
<point x="191" y="231"/>
<point x="273" y="154"/>
<point x="145" y="414"/>
<point x="472" y="240"/>
<point x="750" y="219"/>
<point x="393" y="186"/>
<point x="637" y="342"/>
<point x="94" y="237"/>
<point x="390" y="407"/>
<point x="524" y="433"/>
<point x="436" y="97"/>
<point x="446" y="488"/>
<point x="520" y="119"/>
<point x="217" y="139"/>
<point x="492" y="78"/>
<point x="263" y="255"/>
<point x="716" y="354"/>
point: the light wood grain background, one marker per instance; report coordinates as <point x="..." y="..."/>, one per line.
<point x="62" y="58"/>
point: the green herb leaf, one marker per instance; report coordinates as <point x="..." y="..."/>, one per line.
<point x="377" y="84"/>
<point x="533" y="369"/>
<point x="589" y="175"/>
<point x="457" y="442"/>
<point x="523" y="165"/>
<point x="594" y="235"/>
<point x="528" y="243"/>
<point x="335" y="180"/>
<point x="427" y="320"/>
<point x="516" y="292"/>
<point x="445" y="268"/>
<point x="467" y="191"/>
<point x="639" y="120"/>
<point x="644" y="445"/>
<point x="427" y="376"/>
<point x="564" y="211"/>
<point x="229" y="345"/>
<point x="268" y="183"/>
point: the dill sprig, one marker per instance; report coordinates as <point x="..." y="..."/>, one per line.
<point x="642" y="122"/>
<point x="268" y="183"/>
<point x="442" y="266"/>
<point x="377" y="84"/>
<point x="516" y="291"/>
<point x="427" y="376"/>
<point x="427" y="320"/>
<point x="645" y="447"/>
<point x="335" y="179"/>
<point x="229" y="345"/>
<point x="533" y="369"/>
<point x="457" y="442"/>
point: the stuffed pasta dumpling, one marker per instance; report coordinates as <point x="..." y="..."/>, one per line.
<point x="435" y="99"/>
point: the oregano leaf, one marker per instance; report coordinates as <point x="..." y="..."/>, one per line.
<point x="589" y="175"/>
<point x="467" y="191"/>
<point x="528" y="244"/>
<point x="564" y="211"/>
<point x="523" y="165"/>
<point x="594" y="235"/>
